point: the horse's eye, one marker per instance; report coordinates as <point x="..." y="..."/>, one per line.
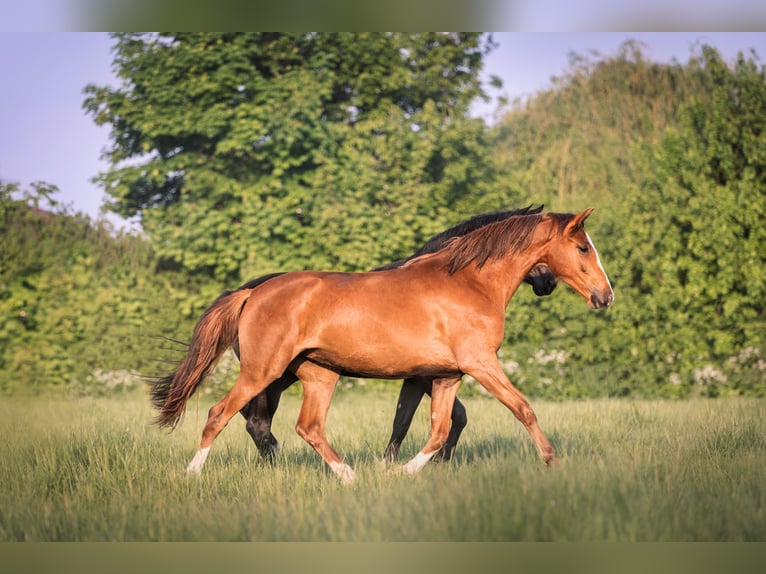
<point x="583" y="248"/>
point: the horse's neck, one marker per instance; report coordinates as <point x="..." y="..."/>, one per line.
<point x="504" y="275"/>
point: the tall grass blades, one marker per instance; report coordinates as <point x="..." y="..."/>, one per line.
<point x="97" y="470"/>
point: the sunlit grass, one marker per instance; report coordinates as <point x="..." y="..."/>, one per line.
<point x="96" y="469"/>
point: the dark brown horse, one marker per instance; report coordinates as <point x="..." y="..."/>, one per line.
<point x="441" y="315"/>
<point x="259" y="412"/>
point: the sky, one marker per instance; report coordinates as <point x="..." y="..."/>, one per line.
<point x="45" y="134"/>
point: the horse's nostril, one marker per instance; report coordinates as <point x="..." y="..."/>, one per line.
<point x="597" y="302"/>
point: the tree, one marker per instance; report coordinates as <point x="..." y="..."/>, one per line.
<point x="672" y="158"/>
<point x="584" y="143"/>
<point x="695" y="241"/>
<point x="248" y="153"/>
<point x="577" y="141"/>
<point x="81" y="304"/>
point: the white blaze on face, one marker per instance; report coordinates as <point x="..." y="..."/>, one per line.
<point x="598" y="261"/>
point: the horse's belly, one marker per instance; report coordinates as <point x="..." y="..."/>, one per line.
<point x="385" y="361"/>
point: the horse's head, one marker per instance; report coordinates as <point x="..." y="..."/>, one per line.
<point x="573" y="258"/>
<point x="541" y="279"/>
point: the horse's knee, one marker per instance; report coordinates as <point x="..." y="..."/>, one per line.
<point x="308" y="432"/>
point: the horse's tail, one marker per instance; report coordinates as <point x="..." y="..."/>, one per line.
<point x="214" y="332"/>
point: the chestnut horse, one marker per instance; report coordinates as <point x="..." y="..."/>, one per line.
<point x="260" y="411"/>
<point x="441" y="315"/>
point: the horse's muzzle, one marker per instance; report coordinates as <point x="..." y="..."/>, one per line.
<point x="544" y="287"/>
<point x="601" y="300"/>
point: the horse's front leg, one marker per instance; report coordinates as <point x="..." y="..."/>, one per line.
<point x="491" y="376"/>
<point x="409" y="399"/>
<point x="318" y="388"/>
<point x="459" y="421"/>
<point x="443" y="394"/>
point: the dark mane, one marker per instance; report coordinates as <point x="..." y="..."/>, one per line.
<point x="438" y="242"/>
<point x="497" y="239"/>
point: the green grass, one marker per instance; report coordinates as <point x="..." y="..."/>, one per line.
<point x="97" y="470"/>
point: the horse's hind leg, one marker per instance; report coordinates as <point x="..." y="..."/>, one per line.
<point x="258" y="424"/>
<point x="442" y="398"/>
<point x="409" y="399"/>
<point x="273" y="396"/>
<point x="259" y="413"/>
<point x="318" y="388"/>
<point x="221" y="413"/>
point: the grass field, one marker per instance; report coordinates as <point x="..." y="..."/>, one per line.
<point x="97" y="470"/>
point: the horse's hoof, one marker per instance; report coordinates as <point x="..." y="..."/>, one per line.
<point x="552" y="462"/>
<point x="195" y="466"/>
<point x="345" y="473"/>
<point x="417" y="463"/>
<point x="392" y="451"/>
<point x="444" y="454"/>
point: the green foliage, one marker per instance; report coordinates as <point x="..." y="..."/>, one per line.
<point x="79" y="303"/>
<point x="673" y="158"/>
<point x="243" y="154"/>
<point x="239" y="151"/>
<point x="579" y="142"/>
<point x="696" y="242"/>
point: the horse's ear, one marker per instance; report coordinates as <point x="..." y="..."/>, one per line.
<point x="578" y="221"/>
